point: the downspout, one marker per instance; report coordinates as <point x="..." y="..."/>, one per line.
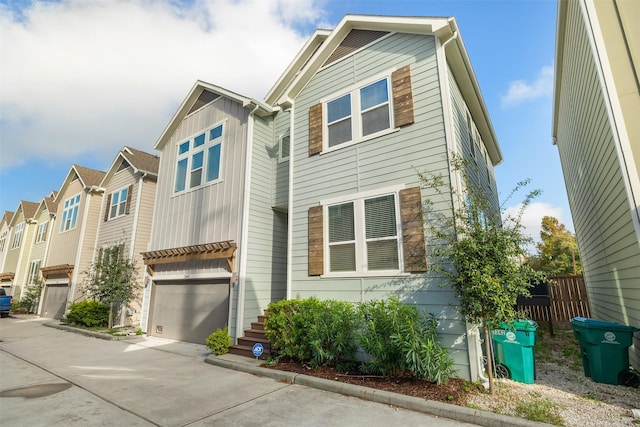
<point x="244" y="230"/>
<point x="290" y="201"/>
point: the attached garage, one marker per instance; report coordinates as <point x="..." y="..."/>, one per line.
<point x="188" y="310"/>
<point x="55" y="300"/>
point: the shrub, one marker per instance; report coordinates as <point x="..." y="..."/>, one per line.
<point x="219" y="341"/>
<point x="29" y="301"/>
<point x="88" y="313"/>
<point x="399" y="339"/>
<point x="319" y="332"/>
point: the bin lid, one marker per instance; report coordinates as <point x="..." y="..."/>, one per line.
<point x="586" y="322"/>
<point x="520" y="325"/>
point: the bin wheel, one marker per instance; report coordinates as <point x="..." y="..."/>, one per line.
<point x="502" y="371"/>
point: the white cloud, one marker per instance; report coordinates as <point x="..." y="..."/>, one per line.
<point x="521" y="91"/>
<point x="83" y="77"/>
<point x="532" y="218"/>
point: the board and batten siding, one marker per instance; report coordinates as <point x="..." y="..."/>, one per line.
<point x="609" y="249"/>
<point x="211" y="213"/>
<point x="392" y="159"/>
<point x="266" y="251"/>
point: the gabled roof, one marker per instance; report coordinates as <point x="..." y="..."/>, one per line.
<point x="7" y="216"/>
<point x="194" y="94"/>
<point x="140" y="161"/>
<point x="48" y="204"/>
<point x="89" y="178"/>
<point x="322" y="44"/>
<point x="28" y="210"/>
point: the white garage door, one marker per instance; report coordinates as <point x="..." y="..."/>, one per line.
<point x="189" y="311"/>
<point x="55" y="300"/>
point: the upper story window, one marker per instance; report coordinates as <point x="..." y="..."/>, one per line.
<point x="361" y="113"/>
<point x="70" y="213"/>
<point x="285" y="147"/>
<point x="118" y="204"/>
<point x="374" y="108"/>
<point x="3" y="240"/>
<point x="17" y="235"/>
<point x="41" y="234"/>
<point x="199" y="160"/>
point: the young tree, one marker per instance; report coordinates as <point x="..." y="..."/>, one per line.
<point x="557" y="251"/>
<point x="479" y="252"/>
<point x="112" y="279"/>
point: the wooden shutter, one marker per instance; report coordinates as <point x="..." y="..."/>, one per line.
<point x="128" y="206"/>
<point x="415" y="252"/>
<point x="316" y="242"/>
<point x="315" y="129"/>
<point x="108" y="208"/>
<point x="402" y="96"/>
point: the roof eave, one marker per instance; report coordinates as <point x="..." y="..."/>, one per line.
<point x="557" y="73"/>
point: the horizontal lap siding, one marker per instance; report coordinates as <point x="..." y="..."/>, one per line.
<point x="65" y="245"/>
<point x="609" y="248"/>
<point x="265" y="279"/>
<point x="373" y="164"/>
<point x="118" y="230"/>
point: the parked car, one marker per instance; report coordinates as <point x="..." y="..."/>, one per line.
<point x="5" y="303"/>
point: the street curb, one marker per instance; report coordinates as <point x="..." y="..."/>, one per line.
<point x="93" y="334"/>
<point x="438" y="409"/>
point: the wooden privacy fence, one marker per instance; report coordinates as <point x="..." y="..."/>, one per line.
<point x="567" y="298"/>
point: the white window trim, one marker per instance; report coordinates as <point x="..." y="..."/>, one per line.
<point x="178" y="157"/>
<point x="17" y="236"/>
<point x="360" y="240"/>
<point x="33" y="275"/>
<point x="72" y="226"/>
<point x="119" y="192"/>
<point x="280" y="139"/>
<point x="41" y="236"/>
<point x="356" y="116"/>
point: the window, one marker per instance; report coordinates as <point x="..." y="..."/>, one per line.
<point x="118" y="205"/>
<point x="3" y="240"/>
<point x="362" y="235"/>
<point x="41" y="235"/>
<point x="472" y="144"/>
<point x="285" y="147"/>
<point x="369" y="245"/>
<point x="34" y="269"/>
<point x="70" y="213"/>
<point x="361" y="113"/>
<point x="17" y="235"/>
<point x="199" y="160"/>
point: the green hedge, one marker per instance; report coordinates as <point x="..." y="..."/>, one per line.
<point x="88" y="313"/>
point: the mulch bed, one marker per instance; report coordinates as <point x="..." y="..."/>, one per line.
<point x="455" y="391"/>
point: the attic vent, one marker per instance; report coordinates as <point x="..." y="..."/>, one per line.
<point x="124" y="165"/>
<point x="355" y="40"/>
<point x="204" y="98"/>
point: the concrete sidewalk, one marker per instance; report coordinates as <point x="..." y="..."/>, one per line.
<point x="252" y="366"/>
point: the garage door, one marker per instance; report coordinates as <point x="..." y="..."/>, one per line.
<point x="55" y="300"/>
<point x="189" y="311"/>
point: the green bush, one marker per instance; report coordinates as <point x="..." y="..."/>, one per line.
<point x="318" y="332"/>
<point x="399" y="339"/>
<point x="219" y="341"/>
<point x="88" y="313"/>
<point x="30" y="300"/>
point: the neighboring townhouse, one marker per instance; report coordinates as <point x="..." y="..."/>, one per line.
<point x="127" y="213"/>
<point x="373" y="102"/>
<point x="21" y="228"/>
<point x="5" y="232"/>
<point x="597" y="132"/>
<point x="218" y="243"/>
<point x="73" y="239"/>
<point x="44" y="218"/>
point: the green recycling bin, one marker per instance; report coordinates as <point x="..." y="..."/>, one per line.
<point x="513" y="346"/>
<point x="604" y="347"/>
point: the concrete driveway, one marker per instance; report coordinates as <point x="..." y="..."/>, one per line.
<point x="50" y="377"/>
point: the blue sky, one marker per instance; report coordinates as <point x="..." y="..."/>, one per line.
<point x="81" y="79"/>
